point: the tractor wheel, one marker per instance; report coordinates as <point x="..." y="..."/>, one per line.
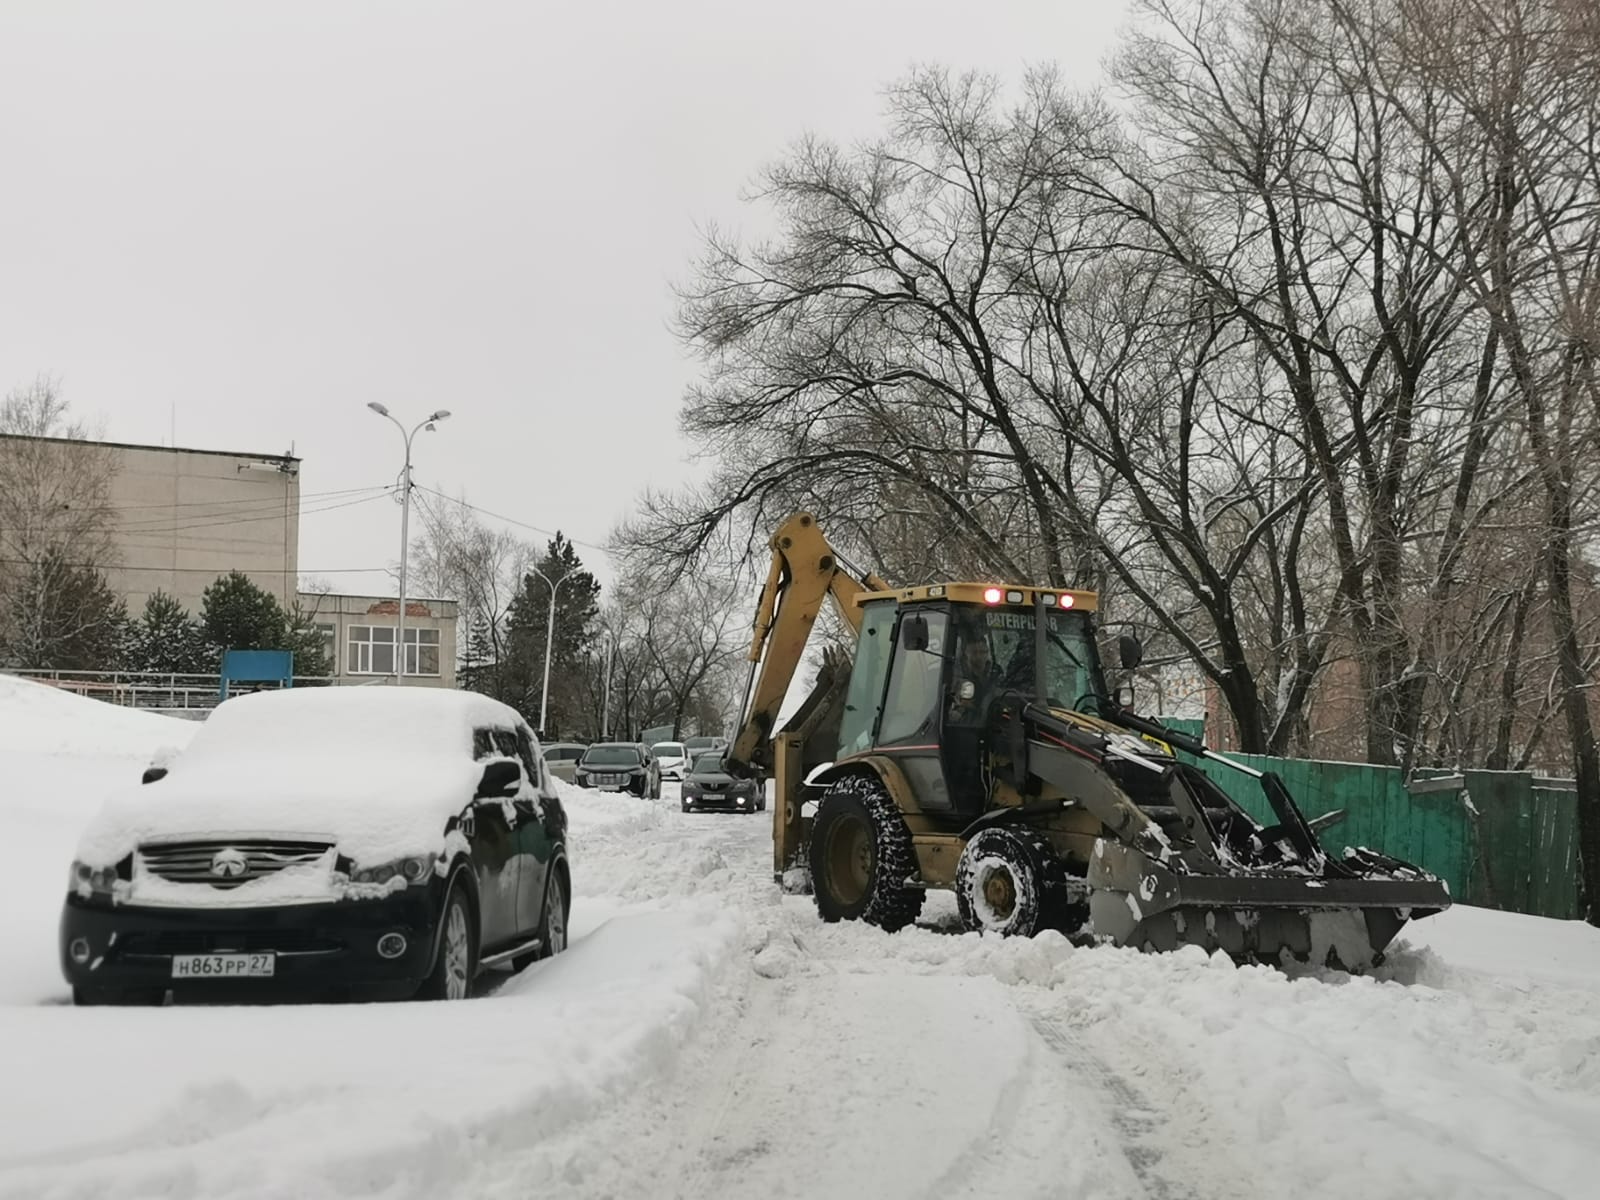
<point x="861" y="856"/>
<point x="1009" y="881"/>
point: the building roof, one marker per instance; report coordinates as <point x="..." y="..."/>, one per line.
<point x="28" y="437"/>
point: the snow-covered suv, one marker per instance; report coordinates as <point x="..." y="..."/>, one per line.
<point x="372" y="841"/>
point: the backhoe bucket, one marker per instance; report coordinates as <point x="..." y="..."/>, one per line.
<point x="1344" y="920"/>
<point x="1181" y="864"/>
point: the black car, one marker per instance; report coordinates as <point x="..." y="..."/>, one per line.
<point x="368" y="843"/>
<point x="620" y="767"/>
<point x="708" y="786"/>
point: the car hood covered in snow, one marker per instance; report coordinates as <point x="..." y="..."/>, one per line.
<point x="373" y="811"/>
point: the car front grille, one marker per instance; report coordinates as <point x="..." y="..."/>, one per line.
<point x="211" y="941"/>
<point x="225" y="863"/>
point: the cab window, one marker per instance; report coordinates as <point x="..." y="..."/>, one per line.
<point x="911" y="705"/>
<point x="866" y="678"/>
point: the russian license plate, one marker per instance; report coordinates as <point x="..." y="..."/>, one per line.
<point x="223" y="966"/>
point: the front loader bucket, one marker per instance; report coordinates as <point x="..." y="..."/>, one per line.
<point x="1344" y="917"/>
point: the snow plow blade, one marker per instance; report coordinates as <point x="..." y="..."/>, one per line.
<point x="1258" y="917"/>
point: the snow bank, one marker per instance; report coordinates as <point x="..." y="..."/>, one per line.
<point x="60" y="755"/>
<point x="358" y="1100"/>
<point x="37" y="719"/>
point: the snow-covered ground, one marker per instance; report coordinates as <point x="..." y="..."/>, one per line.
<point x="705" y="1036"/>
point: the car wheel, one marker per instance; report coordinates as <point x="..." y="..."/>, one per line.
<point x="87" y="997"/>
<point x="687" y="807"/>
<point x="553" y="925"/>
<point x="456" y="964"/>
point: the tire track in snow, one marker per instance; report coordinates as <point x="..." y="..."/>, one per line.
<point x="1151" y="1130"/>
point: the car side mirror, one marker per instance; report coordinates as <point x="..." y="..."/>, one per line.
<point x="153" y="774"/>
<point x="501" y="779"/>
<point x="1129" y="651"/>
<point x="914" y="632"/>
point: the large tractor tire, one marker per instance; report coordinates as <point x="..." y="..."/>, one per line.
<point x="861" y="856"/>
<point x="1009" y="881"/>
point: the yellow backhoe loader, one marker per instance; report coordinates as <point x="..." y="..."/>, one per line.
<point x="973" y="744"/>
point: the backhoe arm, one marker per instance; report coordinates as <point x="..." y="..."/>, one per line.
<point x="804" y="571"/>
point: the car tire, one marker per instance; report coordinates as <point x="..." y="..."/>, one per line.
<point x="455" y="964"/>
<point x="861" y="855"/>
<point x="687" y="807"/>
<point x="88" y="997"/>
<point x="557" y="905"/>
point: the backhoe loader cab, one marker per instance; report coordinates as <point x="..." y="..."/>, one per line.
<point x="975" y="744"/>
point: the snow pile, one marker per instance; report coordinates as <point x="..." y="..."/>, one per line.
<point x="36" y="718"/>
<point x="356" y="1100"/>
<point x="60" y="755"/>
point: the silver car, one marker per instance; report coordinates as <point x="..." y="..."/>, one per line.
<point x="561" y="758"/>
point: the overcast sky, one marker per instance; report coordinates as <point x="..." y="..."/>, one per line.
<point x="244" y="221"/>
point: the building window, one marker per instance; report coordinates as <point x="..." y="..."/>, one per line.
<point x="371" y="651"/>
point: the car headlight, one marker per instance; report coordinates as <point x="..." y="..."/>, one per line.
<point x="92" y="881"/>
<point x="414" y="870"/>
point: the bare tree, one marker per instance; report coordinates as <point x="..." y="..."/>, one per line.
<point x="55" y="534"/>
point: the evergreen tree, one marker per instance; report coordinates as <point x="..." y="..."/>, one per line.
<point x="239" y="615"/>
<point x="166" y="638"/>
<point x="64" y="616"/>
<point x="476" y="671"/>
<point x="307" y="643"/>
<point x="577" y="606"/>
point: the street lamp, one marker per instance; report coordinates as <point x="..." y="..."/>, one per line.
<point x="405" y="528"/>
<point x="549" y="639"/>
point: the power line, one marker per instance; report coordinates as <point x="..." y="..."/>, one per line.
<point x="231" y="519"/>
<point x="512" y="520"/>
<point x="248" y="500"/>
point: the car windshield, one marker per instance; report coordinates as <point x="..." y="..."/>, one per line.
<point x="708" y="764"/>
<point x="1069" y="654"/>
<point x="611" y="756"/>
<point x="667" y="749"/>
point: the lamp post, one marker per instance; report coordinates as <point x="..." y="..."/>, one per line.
<point x="549" y="640"/>
<point x="428" y="424"/>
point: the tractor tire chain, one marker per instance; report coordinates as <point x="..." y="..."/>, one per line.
<point x="890" y="904"/>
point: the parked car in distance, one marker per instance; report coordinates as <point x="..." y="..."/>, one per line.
<point x="562" y="758"/>
<point x="702" y="743"/>
<point x="672" y="757"/>
<point x="365" y="842"/>
<point x="620" y="767"/>
<point x="708" y="786"/>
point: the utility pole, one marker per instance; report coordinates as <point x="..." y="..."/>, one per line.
<point x="605" y="709"/>
<point x="427" y="423"/>
<point x="549" y="640"/>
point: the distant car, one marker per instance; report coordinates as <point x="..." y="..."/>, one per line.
<point x="672" y="757"/>
<point x="373" y="842"/>
<point x="702" y="743"/>
<point x="709" y="786"/>
<point x="620" y="767"/>
<point x="562" y="758"/>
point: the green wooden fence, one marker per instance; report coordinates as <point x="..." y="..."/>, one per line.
<point x="1501" y="839"/>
